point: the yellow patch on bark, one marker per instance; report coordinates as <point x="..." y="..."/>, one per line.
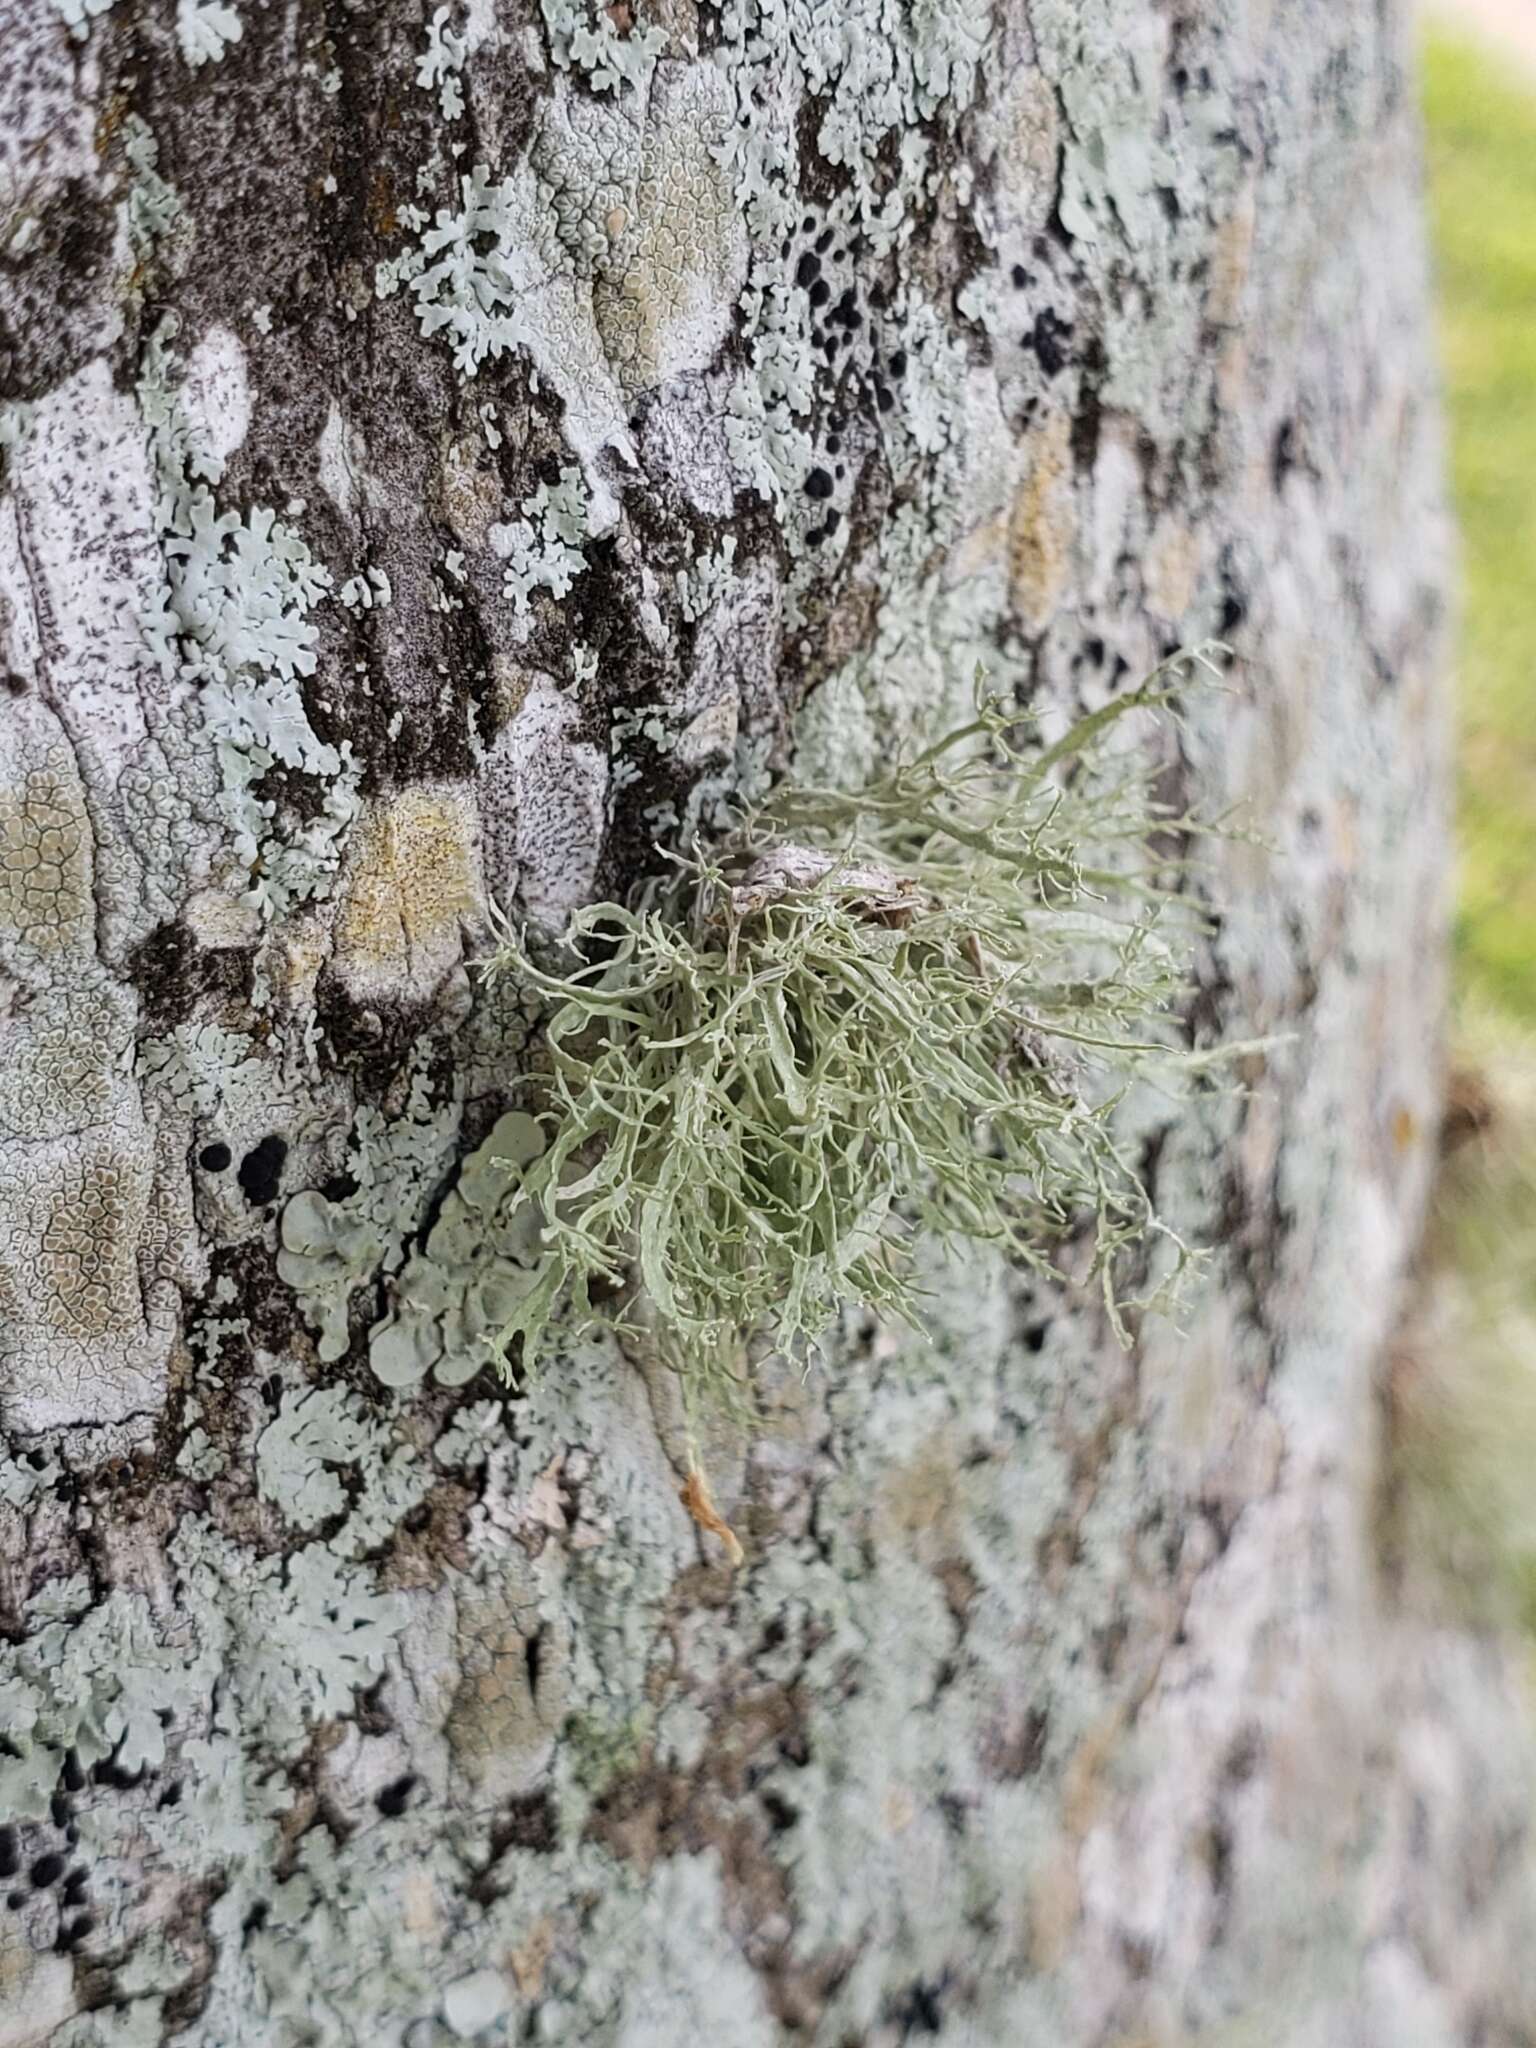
<point x="1043" y="527"/>
<point x="412" y="881"/>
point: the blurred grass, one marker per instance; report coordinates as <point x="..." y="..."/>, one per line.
<point x="1462" y="1384"/>
<point x="1481" y="134"/>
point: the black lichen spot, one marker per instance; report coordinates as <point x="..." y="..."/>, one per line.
<point x="1284" y="460"/>
<point x="781" y="1814"/>
<point x="898" y="363"/>
<point x="883" y="397"/>
<point x="261" y="1171"/>
<point x="1035" y="1336"/>
<point x="1049" y="338"/>
<point x="821" y="291"/>
<point x="111" y="1773"/>
<point x="818" y="484"/>
<point x="75" y="1887"/>
<point x="46" y="1870"/>
<point x="1020" y="278"/>
<point x="921" y="2010"/>
<point x="391" y="1802"/>
<point x="214" y="1158"/>
<point x="807" y="270"/>
<point x="10" y="1853"/>
<point x="1088" y="418"/>
<point x="846" y="312"/>
<point x="60" y="1810"/>
<point x="16" y="685"/>
<point x="69" y="1938"/>
<point x="71" y="1776"/>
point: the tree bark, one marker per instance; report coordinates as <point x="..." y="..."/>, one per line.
<point x="444" y="454"/>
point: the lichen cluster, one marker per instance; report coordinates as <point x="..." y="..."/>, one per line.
<point x="910" y="1008"/>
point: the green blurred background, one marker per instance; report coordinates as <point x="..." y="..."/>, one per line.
<point x="1462" y="1389"/>
<point x="1480" y="114"/>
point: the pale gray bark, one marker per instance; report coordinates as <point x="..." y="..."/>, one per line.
<point x="441" y="456"/>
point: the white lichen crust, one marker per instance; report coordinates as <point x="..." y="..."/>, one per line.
<point x="443" y="450"/>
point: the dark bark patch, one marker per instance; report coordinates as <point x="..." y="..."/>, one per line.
<point x="54" y="303"/>
<point x="530" y="1822"/>
<point x="1016" y="1748"/>
<point x="173" y="974"/>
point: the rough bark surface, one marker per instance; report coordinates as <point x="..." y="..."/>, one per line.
<point x="444" y="452"/>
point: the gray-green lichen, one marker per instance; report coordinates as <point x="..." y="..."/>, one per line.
<point x="330" y="1247"/>
<point x="481" y="1258"/>
<point x="205" y="29"/>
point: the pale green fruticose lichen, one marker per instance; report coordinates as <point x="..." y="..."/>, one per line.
<point x="914" y="1005"/>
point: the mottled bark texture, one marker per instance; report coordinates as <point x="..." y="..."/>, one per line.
<point x="442" y="454"/>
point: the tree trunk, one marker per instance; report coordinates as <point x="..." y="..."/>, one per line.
<point x="443" y="456"/>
